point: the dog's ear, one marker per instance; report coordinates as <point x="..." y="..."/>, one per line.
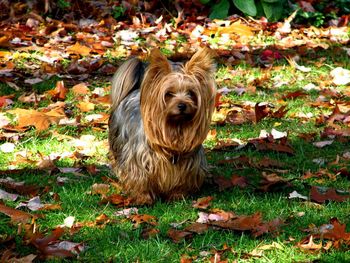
<point x="159" y="65"/>
<point x="202" y="62"/>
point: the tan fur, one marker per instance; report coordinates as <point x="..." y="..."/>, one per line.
<point x="176" y="108"/>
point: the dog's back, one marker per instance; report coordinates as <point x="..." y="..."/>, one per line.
<point x="127" y="78"/>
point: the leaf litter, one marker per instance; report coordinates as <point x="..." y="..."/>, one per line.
<point x="236" y="42"/>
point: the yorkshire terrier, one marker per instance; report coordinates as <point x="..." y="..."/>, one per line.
<point x="160" y="116"/>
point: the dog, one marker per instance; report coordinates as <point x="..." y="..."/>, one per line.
<point x="160" y="116"/>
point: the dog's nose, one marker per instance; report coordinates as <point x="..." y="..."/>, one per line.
<point x="181" y="107"/>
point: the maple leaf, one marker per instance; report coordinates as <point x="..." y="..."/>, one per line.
<point x="147" y="233"/>
<point x="270" y="182"/>
<point x="49" y="245"/>
<point x="86" y="106"/>
<point x="79" y="49"/>
<point x="59" y="92"/>
<point x="309" y="244"/>
<point x="294" y="95"/>
<point x="268" y="227"/>
<point x="143" y="219"/>
<point x="203" y="202"/>
<point x="178" y="235"/>
<point x="17" y="216"/>
<point x="261" y="111"/>
<point x="19" y="187"/>
<point x="265" y="145"/>
<point x="240" y="223"/>
<point x="101" y="189"/>
<point x="329" y="195"/>
<point x="197" y="228"/>
<point x="80" y="89"/>
<point x="117" y="200"/>
<point x="40" y="120"/>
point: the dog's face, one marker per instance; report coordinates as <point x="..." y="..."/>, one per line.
<point x="176" y="105"/>
<point x="180" y="100"/>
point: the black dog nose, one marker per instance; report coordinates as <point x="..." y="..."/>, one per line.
<point x="181" y="107"/>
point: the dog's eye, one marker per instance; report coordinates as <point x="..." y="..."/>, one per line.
<point x="191" y="94"/>
<point x="169" y="95"/>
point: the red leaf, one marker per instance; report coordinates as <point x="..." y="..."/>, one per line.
<point x="329" y="195"/>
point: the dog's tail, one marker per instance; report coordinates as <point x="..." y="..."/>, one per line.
<point x="127" y="78"/>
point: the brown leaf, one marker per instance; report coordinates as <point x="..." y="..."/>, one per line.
<point x="17" y="216"/>
<point x="149" y="233"/>
<point x="294" y="95"/>
<point x="263" y="145"/>
<point x="240" y="181"/>
<point x="19" y="187"/>
<point x="240" y="223"/>
<point x="49" y="245"/>
<point x="268" y="227"/>
<point x="100" y="189"/>
<point x="267" y="162"/>
<point x="223" y="182"/>
<point x="203" y="202"/>
<point x="178" y="235"/>
<point x="329" y="195"/>
<point x="309" y="244"/>
<point x="270" y="182"/>
<point x="280" y="113"/>
<point x="336" y="232"/>
<point x="197" y="228"/>
<point x="235" y="180"/>
<point x="261" y="111"/>
<point x="59" y="92"/>
<point x="225" y="145"/>
<point x="143" y="219"/>
<point x="117" y="199"/>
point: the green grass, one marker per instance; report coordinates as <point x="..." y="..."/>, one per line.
<point x="120" y="241"/>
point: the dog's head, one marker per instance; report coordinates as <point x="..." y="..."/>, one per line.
<point x="177" y="101"/>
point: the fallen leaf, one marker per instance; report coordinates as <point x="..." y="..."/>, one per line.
<point x="116" y="199"/>
<point x="295" y="194"/>
<point x="59" y="92"/>
<point x="329" y="194"/>
<point x="127" y="212"/>
<point x="79" y="49"/>
<point x="340" y="76"/>
<point x="143" y="219"/>
<point x="272" y="182"/>
<point x="86" y="106"/>
<point x="40" y="120"/>
<point x="178" y="235"/>
<point x="17" y="216"/>
<point x="7" y="147"/>
<point x="100" y="189"/>
<point x="197" y="228"/>
<point x="203" y="202"/>
<point x="149" y="233"/>
<point x="80" y="89"/>
<point x="322" y="144"/>
<point x="309" y="245"/>
<point x="7" y="196"/>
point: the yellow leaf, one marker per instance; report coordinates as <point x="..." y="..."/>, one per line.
<point x="79" y="49"/>
<point x="86" y="106"/>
